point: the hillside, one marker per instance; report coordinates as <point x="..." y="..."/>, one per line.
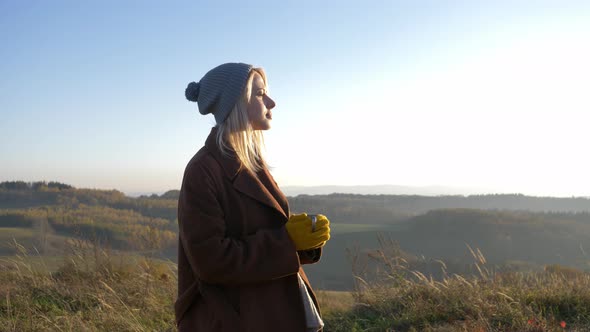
<point x="512" y="231"/>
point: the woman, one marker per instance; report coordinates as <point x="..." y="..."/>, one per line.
<point x="240" y="253"/>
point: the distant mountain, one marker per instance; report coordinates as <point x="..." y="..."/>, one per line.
<point x="382" y="190"/>
<point x="359" y="190"/>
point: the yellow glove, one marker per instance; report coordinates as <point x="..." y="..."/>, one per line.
<point x="299" y="228"/>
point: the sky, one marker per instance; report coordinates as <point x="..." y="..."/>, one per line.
<point x="488" y="95"/>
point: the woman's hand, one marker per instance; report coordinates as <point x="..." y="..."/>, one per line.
<point x="299" y="228"/>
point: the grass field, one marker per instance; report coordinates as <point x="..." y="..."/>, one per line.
<point x="92" y="289"/>
<point x="89" y="288"/>
<point x="138" y="296"/>
<point x="10" y="234"/>
<point x="50" y="243"/>
<point x="7" y="233"/>
<point x="333" y="302"/>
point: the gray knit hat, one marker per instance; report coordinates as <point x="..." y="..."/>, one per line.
<point x="218" y="91"/>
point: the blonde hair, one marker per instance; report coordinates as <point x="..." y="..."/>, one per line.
<point x="235" y="134"/>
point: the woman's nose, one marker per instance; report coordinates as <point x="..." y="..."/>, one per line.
<point x="270" y="104"/>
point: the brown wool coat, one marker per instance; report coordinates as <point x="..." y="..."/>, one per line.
<point x="237" y="266"/>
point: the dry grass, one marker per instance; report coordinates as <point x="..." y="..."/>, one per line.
<point x="89" y="292"/>
<point x="94" y="289"/>
<point x="333" y="302"/>
<point x="399" y="299"/>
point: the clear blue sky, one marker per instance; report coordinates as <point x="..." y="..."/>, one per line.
<point x="455" y="93"/>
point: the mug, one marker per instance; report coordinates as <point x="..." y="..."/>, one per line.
<point x="314" y="219"/>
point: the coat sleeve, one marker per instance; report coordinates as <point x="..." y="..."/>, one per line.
<point x="218" y="259"/>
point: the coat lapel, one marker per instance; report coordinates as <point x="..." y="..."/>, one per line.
<point x="246" y="182"/>
<point x="270" y="184"/>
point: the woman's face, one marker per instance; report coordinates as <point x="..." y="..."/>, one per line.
<point x="260" y="105"/>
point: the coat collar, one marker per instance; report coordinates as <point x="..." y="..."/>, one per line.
<point x="230" y="164"/>
<point x="260" y="186"/>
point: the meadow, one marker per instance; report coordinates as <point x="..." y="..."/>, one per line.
<point x="92" y="288"/>
<point x="94" y="260"/>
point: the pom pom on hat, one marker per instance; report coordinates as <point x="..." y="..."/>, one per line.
<point x="192" y="91"/>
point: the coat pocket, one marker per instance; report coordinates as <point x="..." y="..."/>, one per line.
<point x="189" y="298"/>
<point x="219" y="301"/>
<point x="232" y="296"/>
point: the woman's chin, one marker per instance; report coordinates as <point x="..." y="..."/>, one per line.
<point x="265" y="125"/>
